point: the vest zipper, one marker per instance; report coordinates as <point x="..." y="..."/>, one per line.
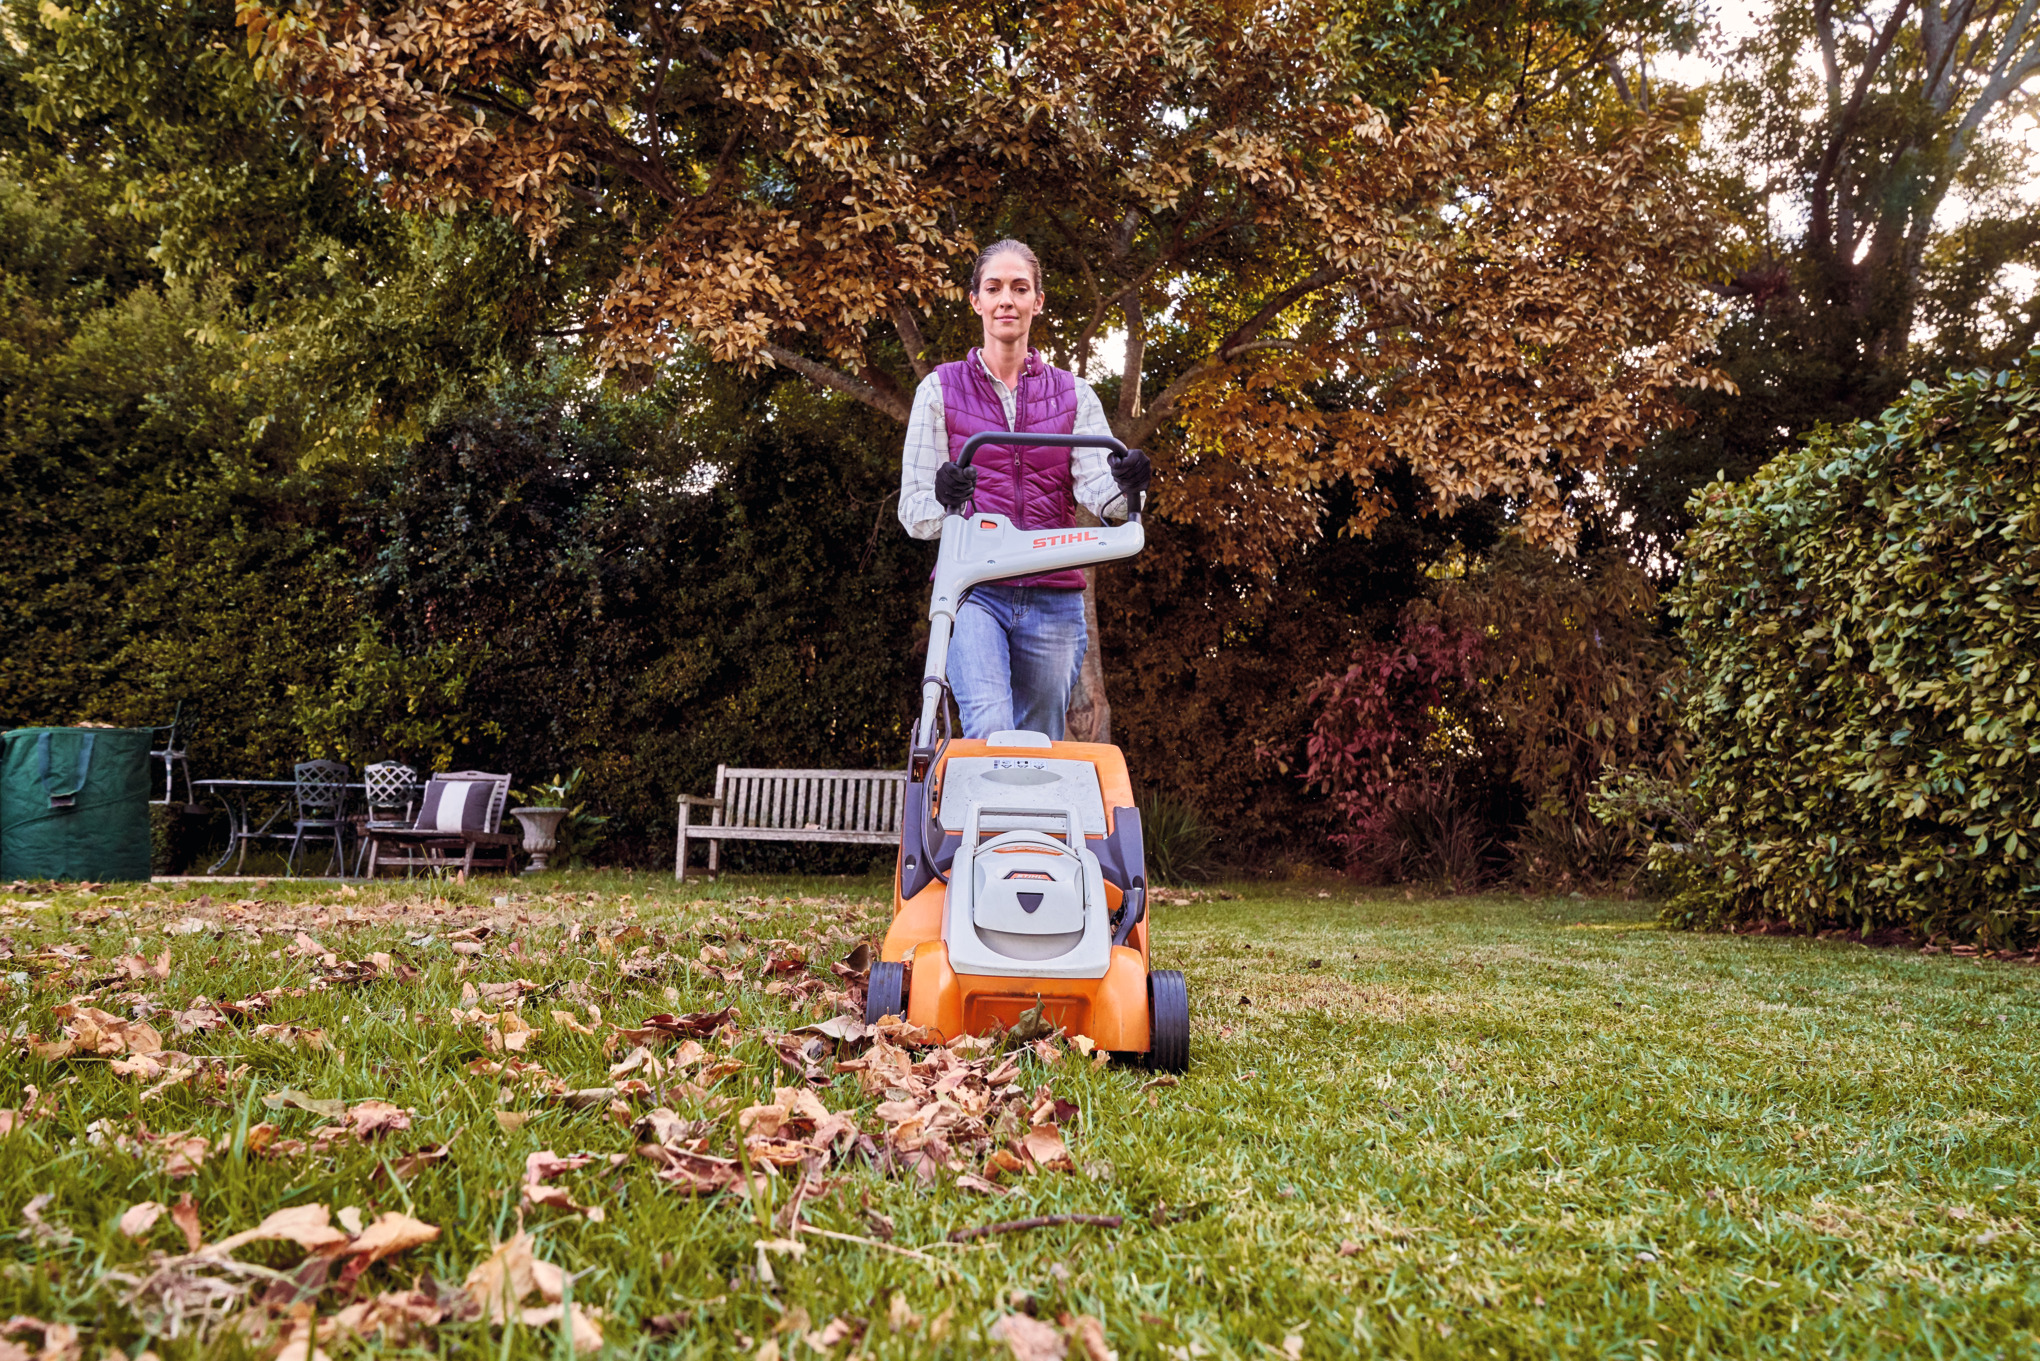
<point x="1019" y="478"/>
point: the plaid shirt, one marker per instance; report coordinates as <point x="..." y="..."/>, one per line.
<point x="928" y="449"/>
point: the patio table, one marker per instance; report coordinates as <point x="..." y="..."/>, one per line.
<point x="240" y="799"/>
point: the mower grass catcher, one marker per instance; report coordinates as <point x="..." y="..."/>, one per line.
<point x="1022" y="881"/>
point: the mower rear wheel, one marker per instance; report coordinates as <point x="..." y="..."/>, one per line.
<point x="886" y="994"/>
<point x="1168" y="1022"/>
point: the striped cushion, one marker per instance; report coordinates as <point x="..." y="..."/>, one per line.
<point x="455" y="806"/>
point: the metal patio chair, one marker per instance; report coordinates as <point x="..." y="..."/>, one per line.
<point x="173" y="756"/>
<point x="390" y="800"/>
<point x="321" y="796"/>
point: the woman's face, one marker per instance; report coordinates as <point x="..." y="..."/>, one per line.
<point x="1007" y="299"/>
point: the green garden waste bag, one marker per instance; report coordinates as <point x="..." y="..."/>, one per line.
<point x="74" y="803"/>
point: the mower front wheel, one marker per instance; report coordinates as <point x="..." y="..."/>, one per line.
<point x="1168" y="1022"/>
<point x="886" y="994"/>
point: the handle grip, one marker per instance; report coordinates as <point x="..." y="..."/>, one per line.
<point x="972" y="445"/>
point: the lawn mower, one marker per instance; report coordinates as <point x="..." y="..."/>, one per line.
<point x="1022" y="881"/>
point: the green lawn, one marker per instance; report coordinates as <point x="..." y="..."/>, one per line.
<point x="1486" y="1126"/>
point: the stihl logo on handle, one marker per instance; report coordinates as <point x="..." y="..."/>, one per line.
<point x="1057" y="540"/>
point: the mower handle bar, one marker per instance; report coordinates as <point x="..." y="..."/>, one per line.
<point x="1106" y="442"/>
<point x="972" y="445"/>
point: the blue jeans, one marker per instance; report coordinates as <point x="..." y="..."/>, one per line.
<point x="1014" y="656"/>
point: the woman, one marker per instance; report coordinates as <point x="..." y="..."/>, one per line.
<point x="1018" y="644"/>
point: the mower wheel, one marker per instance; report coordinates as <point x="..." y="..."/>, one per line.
<point x="886" y="993"/>
<point x="1168" y="1022"/>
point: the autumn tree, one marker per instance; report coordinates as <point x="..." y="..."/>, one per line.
<point x="1306" y="290"/>
<point x="1874" y="160"/>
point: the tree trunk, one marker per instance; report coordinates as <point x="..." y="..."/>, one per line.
<point x="1090" y="715"/>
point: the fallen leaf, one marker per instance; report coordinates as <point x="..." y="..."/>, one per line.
<point x="59" y="1341"/>
<point x="546" y="1164"/>
<point x="1090" y="1335"/>
<point x="501" y="1281"/>
<point x="137" y="1220"/>
<point x="307" y="1226"/>
<point x="393" y="1314"/>
<point x="512" y="1121"/>
<point x="183" y="1154"/>
<point x="184" y="1214"/>
<point x="847" y="1029"/>
<point x="1030" y="1339"/>
<point x="293" y="1036"/>
<point x="587" y="1333"/>
<point x="332" y="1110"/>
<point x="411" y="1164"/>
<point x="1044" y="1147"/>
<point x="368" y="1119"/>
<point x="836" y="1330"/>
<point x="391" y="1233"/>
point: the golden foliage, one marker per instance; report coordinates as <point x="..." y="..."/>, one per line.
<point x="1502" y="308"/>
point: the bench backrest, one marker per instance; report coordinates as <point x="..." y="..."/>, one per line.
<point x="828" y="800"/>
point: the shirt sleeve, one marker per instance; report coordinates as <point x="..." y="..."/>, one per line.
<point x="1096" y="491"/>
<point x="926" y="450"/>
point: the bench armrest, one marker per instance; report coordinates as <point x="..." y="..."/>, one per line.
<point x="697" y="801"/>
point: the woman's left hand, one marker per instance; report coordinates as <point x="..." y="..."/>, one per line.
<point x="1132" y="471"/>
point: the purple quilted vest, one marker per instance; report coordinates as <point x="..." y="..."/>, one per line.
<point x="1033" y="484"/>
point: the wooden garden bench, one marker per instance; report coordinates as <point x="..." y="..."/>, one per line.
<point x="854" y="807"/>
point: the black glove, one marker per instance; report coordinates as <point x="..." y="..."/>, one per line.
<point x="1132" y="471"/>
<point x="953" y="486"/>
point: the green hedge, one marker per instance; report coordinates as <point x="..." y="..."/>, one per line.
<point x="1863" y="621"/>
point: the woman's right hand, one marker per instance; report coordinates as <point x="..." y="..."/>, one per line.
<point x="953" y="486"/>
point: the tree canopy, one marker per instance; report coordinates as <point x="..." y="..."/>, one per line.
<point x="1497" y="305"/>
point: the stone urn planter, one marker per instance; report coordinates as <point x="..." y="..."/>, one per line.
<point x="541" y="829"/>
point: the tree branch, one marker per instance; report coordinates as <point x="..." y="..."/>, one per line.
<point x="873" y="396"/>
<point x="1136" y="350"/>
<point x="909" y="327"/>
<point x="1144" y="427"/>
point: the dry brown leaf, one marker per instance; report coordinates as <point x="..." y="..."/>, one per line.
<point x="93" y="1031"/>
<point x="1089" y="1335"/>
<point x="391" y="1233"/>
<point x="58" y="1341"/>
<point x="184" y="1214"/>
<point x="1044" y="1147"/>
<point x="293" y="1036"/>
<point x="369" y="1119"/>
<point x="332" y="1110"/>
<point x="587" y="1330"/>
<point x="394" y="1314"/>
<point x="1030" y="1339"/>
<point x="137" y="1220"/>
<point x="308" y="1226"/>
<point x="411" y="1164"/>
<point x="183" y="1154"/>
<point x="507" y="1276"/>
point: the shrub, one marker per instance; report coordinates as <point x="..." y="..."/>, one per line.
<point x="1575" y="679"/>
<point x="1177" y="842"/>
<point x="1468" y="746"/>
<point x="1864" y="631"/>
